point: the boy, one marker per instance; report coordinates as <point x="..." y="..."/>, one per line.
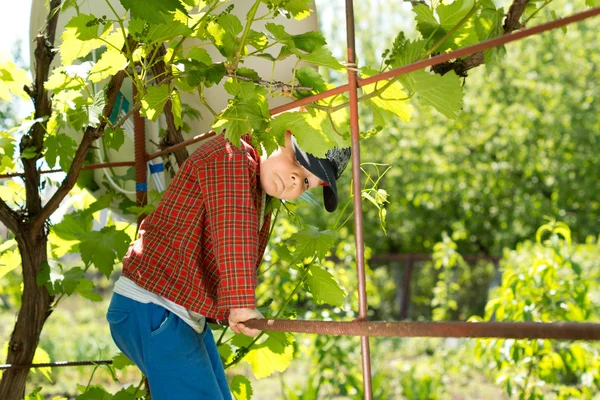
<point x="196" y="257"/>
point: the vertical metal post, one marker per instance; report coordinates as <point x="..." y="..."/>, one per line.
<point x="358" y="216"/>
<point x="141" y="169"/>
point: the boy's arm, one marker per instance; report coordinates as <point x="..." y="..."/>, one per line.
<point x="233" y="221"/>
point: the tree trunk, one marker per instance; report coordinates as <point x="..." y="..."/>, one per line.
<point x="35" y="309"/>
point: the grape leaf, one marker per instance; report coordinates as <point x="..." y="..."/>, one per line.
<point x="73" y="226"/>
<point x="265" y="361"/>
<point x="309" y="76"/>
<point x="311" y="240"/>
<point x="121" y="361"/>
<point x="153" y="102"/>
<point x="310" y="138"/>
<point x="111" y="62"/>
<point x="86" y="27"/>
<point x="322" y="56"/>
<point x="298" y="8"/>
<point x="72" y="48"/>
<point x="488" y="25"/>
<point x="166" y="32"/>
<point x="392" y="99"/>
<point x="70" y="77"/>
<point x="12" y="80"/>
<point x="201" y="55"/>
<point x="154" y="11"/>
<point x="241" y="387"/>
<point x="113" y="138"/>
<point x="102" y="247"/>
<point x="309" y="41"/>
<point x="323" y="286"/>
<point x="444" y="93"/>
<point x="85" y="289"/>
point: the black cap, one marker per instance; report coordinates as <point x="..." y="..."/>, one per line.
<point x="328" y="169"/>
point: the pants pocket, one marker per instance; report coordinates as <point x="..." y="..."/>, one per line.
<point x="115" y="316"/>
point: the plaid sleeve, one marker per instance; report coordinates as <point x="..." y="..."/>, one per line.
<point x="233" y="222"/>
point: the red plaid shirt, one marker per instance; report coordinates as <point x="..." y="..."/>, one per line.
<point x="202" y="245"/>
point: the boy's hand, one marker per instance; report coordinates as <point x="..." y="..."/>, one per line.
<point x="237" y="316"/>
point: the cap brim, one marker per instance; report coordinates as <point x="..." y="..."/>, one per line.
<point x="323" y="170"/>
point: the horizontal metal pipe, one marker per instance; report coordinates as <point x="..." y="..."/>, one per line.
<point x="507" y="330"/>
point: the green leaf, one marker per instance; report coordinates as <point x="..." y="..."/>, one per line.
<point x="10" y="259"/>
<point x="279" y="33"/>
<point x="103" y="247"/>
<point x="308" y="131"/>
<point x="95" y="392"/>
<point x="311" y="241"/>
<point x="111" y="62"/>
<point x="323" y="286"/>
<point x="451" y="14"/>
<point x="241" y="387"/>
<point x="309" y="76"/>
<point x="61" y="146"/>
<point x="176" y="108"/>
<point x="85" y="289"/>
<point x="114" y="138"/>
<point x="72" y="47"/>
<point x="73" y="226"/>
<point x="222" y="36"/>
<point x="70" y="77"/>
<point x="309" y="41"/>
<point x="86" y="26"/>
<point x="209" y="75"/>
<point x="392" y="99"/>
<point x="426" y="22"/>
<point x="153" y="102"/>
<point x="488" y="25"/>
<point x="166" y="32"/>
<point x="299" y="9"/>
<point x="94" y="111"/>
<point x="154" y="11"/>
<point x="71" y="280"/>
<point x="444" y="93"/>
<point x="322" y="56"/>
<point x="248" y="73"/>
<point x="258" y="40"/>
<point x="265" y="361"/>
<point x="592" y="3"/>
<point x="201" y="55"/>
<point x="121" y="361"/>
<point x="231" y="24"/>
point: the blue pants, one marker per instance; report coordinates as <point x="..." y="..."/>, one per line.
<point x="179" y="362"/>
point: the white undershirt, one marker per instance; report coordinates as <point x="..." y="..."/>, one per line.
<point x="126" y="287"/>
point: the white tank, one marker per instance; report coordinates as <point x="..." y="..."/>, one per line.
<point x="217" y="96"/>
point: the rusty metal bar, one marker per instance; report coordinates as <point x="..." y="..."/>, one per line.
<point x="358" y="215"/>
<point x="85" y="167"/>
<point x="141" y="169"/>
<point x="454" y="329"/>
<point x="382" y="258"/>
<point x="55" y="364"/>
<point x="177" y="146"/>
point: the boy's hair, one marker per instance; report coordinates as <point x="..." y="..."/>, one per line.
<point x="328" y="169"/>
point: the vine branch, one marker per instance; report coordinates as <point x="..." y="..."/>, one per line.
<point x="461" y="66"/>
<point x="8" y="217"/>
<point x="89" y="136"/>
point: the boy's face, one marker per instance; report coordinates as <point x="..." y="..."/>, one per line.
<point x="282" y="176"/>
